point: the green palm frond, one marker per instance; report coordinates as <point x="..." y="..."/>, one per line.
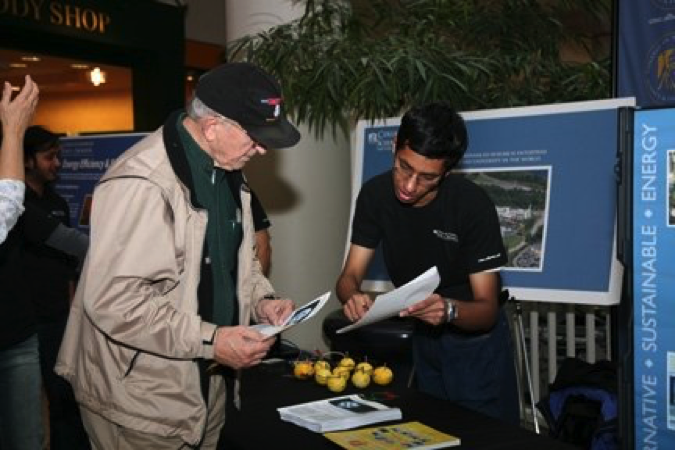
<point x="370" y="59"/>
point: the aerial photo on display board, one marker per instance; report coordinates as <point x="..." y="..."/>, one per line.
<point x="521" y="198"/>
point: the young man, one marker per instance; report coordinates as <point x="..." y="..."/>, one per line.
<point x="171" y="282"/>
<point x="49" y="278"/>
<point x="423" y="216"/>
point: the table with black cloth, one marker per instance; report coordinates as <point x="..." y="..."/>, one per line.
<point x="270" y="386"/>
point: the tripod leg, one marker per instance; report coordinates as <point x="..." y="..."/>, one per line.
<point x="411" y="377"/>
<point x="523" y="346"/>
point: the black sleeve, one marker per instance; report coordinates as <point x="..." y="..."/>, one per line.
<point x="260" y="219"/>
<point x="366" y="230"/>
<point x="481" y="233"/>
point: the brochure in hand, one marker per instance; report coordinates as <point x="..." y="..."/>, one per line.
<point x="338" y="413"/>
<point x="393" y="302"/>
<point x="300" y="315"/>
<point x="408" y="436"/>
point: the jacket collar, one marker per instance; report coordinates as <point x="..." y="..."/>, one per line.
<point x="176" y="153"/>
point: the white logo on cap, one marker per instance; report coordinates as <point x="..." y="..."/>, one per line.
<point x="276" y="102"/>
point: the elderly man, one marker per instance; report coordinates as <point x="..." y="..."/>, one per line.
<point x="171" y="281"/>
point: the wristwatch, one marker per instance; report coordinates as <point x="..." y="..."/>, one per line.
<point x="451" y="310"/>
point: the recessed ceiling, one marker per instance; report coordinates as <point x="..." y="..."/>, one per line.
<point x="55" y="75"/>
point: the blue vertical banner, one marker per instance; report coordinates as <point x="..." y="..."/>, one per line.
<point x="84" y="159"/>
<point x="654" y="278"/>
<point x="645" y="66"/>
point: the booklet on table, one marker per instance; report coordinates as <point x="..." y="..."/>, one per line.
<point x="338" y="413"/>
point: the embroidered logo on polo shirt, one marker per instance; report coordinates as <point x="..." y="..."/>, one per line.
<point x="488" y="258"/>
<point x="446" y="236"/>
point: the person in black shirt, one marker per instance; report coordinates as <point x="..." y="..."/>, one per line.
<point x="49" y="277"/>
<point x="423" y="215"/>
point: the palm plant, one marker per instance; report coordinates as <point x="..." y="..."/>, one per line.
<point x="346" y="60"/>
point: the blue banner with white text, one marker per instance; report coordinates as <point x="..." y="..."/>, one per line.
<point x="654" y="278"/>
<point x="84" y="159"/>
<point x="645" y="66"/>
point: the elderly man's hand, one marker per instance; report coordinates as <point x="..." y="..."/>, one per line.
<point x="240" y="347"/>
<point x="274" y="311"/>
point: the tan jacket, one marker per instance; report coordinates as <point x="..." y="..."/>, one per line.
<point x="134" y="336"/>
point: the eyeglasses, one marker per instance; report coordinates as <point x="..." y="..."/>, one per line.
<point x="407" y="172"/>
<point x="240" y="128"/>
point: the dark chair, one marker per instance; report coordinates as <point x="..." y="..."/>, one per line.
<point x="385" y="342"/>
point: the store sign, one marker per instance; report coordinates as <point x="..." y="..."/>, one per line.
<point x="58" y="14"/>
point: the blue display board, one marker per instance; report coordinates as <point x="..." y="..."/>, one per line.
<point x="654" y="278"/>
<point x="551" y="172"/>
<point x="83" y="162"/>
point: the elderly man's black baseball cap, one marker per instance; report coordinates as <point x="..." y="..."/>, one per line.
<point x="251" y="97"/>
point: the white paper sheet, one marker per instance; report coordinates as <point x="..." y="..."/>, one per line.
<point x="390" y="304"/>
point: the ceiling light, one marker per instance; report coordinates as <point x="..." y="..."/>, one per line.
<point x="30" y="58"/>
<point x="79" y="66"/>
<point x="18" y="65"/>
<point x="97" y="76"/>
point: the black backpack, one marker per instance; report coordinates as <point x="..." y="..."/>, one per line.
<point x="581" y="407"/>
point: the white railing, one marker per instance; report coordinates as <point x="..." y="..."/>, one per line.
<point x="553" y="332"/>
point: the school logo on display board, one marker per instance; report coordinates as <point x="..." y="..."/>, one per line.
<point x="660" y="70"/>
